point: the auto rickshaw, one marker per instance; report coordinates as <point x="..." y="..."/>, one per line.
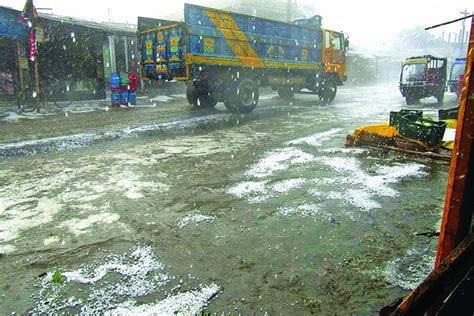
<point x="456" y="75"/>
<point x="423" y="77"/>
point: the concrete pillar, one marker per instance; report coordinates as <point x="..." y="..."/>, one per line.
<point x="113" y="60"/>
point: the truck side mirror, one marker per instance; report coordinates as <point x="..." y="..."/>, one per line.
<point x="346" y="44"/>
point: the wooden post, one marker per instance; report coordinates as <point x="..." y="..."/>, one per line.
<point x="37" y="85"/>
<point x="20" y="70"/>
<point x="459" y="204"/>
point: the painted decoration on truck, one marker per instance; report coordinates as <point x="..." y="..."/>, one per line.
<point x="235" y="38"/>
<point x="148" y="47"/>
<point x="174" y="41"/>
<point x="160" y="37"/>
<point x="275" y="52"/>
<point x="161" y="46"/>
<point x="304" y="54"/>
<point x="208" y="45"/>
<point x="161" y="69"/>
<point x="249" y="41"/>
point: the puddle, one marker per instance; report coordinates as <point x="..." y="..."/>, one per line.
<point x="253" y="192"/>
<point x="306" y="210"/>
<point x="114" y="287"/>
<point x="195" y="219"/>
<point x="288" y="185"/>
<point x="410" y="270"/>
<point x="279" y="160"/>
<point x="318" y="139"/>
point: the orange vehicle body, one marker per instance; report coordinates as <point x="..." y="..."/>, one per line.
<point x="334" y="54"/>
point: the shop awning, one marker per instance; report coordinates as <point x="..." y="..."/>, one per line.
<point x="10" y="27"/>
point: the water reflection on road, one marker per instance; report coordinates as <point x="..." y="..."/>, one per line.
<point x="264" y="213"/>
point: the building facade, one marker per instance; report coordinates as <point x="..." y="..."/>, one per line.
<point x="77" y="53"/>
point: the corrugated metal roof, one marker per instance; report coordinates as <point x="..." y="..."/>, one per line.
<point x="108" y="27"/>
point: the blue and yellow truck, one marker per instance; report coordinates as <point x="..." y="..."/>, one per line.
<point x="226" y="57"/>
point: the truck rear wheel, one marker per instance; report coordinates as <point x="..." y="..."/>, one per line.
<point x="199" y="99"/>
<point x="243" y="96"/>
<point x="328" y="90"/>
<point x="286" y="93"/>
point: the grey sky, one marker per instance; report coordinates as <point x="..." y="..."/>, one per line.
<point x="369" y="23"/>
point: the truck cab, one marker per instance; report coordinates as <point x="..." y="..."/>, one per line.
<point x="335" y="46"/>
<point x="422" y="77"/>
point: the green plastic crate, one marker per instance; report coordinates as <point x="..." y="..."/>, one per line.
<point x="448" y="114"/>
<point x="426" y="131"/>
<point x="396" y="116"/>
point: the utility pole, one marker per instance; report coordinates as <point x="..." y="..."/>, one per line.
<point x="461" y="40"/>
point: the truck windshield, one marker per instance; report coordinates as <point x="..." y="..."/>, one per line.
<point x="457" y="70"/>
<point x="413" y="72"/>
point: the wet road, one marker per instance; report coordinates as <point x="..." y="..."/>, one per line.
<point x="176" y="210"/>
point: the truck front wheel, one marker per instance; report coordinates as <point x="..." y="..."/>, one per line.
<point x="242" y="96"/>
<point x="328" y="90"/>
<point x="199" y="99"/>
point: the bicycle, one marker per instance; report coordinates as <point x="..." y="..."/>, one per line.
<point x="54" y="91"/>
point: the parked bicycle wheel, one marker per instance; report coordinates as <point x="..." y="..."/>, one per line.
<point x="26" y="101"/>
<point x="57" y="92"/>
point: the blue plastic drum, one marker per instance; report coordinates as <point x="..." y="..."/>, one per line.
<point x="116" y="97"/>
<point x="114" y="81"/>
<point x="132" y="97"/>
<point x="124" y="97"/>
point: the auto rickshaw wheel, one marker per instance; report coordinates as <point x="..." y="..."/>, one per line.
<point x="440" y="97"/>
<point x="410" y="99"/>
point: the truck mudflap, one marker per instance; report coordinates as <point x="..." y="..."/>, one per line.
<point x="164" y="52"/>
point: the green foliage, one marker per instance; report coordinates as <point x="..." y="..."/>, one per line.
<point x="417" y="41"/>
<point x="58" y="277"/>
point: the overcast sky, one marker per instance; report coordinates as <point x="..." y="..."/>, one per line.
<point x="369" y="23"/>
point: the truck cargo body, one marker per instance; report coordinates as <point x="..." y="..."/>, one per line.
<point x="222" y="54"/>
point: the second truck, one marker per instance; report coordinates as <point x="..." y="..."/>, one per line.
<point x="225" y="57"/>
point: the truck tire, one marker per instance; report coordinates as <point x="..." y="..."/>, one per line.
<point x="286" y="93"/>
<point x="242" y="97"/>
<point x="328" y="90"/>
<point x="440" y="97"/>
<point x="199" y="99"/>
<point x="410" y="99"/>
